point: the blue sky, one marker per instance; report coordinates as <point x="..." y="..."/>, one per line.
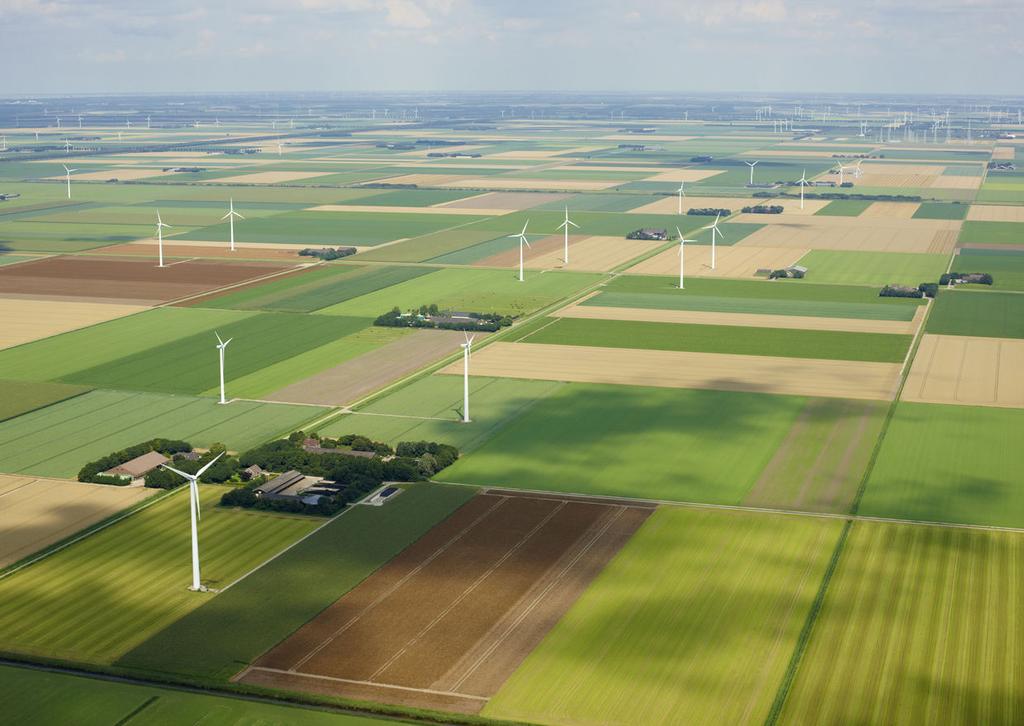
<point x="871" y="46"/>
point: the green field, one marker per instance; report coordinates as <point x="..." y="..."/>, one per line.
<point x="654" y="443"/>
<point x="103" y="595"/>
<point x="920" y="625"/>
<point x="937" y="210"/>
<point x="873" y="268"/>
<point x="946" y="463"/>
<point x="970" y="312"/>
<point x="59" y="439"/>
<point x="18" y="397"/>
<point x="427" y="247"/>
<point x="844" y="208"/>
<point x="232" y="629"/>
<point x="732" y="339"/>
<point x="693" y="622"/>
<point x="991" y="233"/>
<point x="1007" y="269"/>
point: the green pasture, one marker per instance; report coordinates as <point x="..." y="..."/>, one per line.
<point x="103" y="595"/>
<point x="634" y="441"/>
<point x="732" y="339"/>
<point x="694" y="621"/>
<point x="873" y="268"/>
<point x="36" y="236"/>
<point x="57" y="440"/>
<point x="1007" y="269"/>
<point x="935" y="210"/>
<point x="920" y="625"/>
<point x="971" y="312"/>
<point x="991" y="233"/>
<point x="18" y="397"/>
<point x="1002" y="189"/>
<point x="427" y="247"/>
<point x="949" y="463"/>
<point x="217" y="639"/>
<point x="844" y="208"/>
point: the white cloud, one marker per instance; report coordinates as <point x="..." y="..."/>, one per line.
<point x="406" y="14"/>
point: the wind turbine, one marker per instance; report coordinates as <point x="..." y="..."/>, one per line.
<point x="149" y="122"/>
<point x="714" y="231"/>
<point x="857" y="170"/>
<point x="522" y="241"/>
<point x="279" y="149"/>
<point x="67" y="146"/>
<point x="160" y="236"/>
<point x="193" y="500"/>
<point x="682" y="244"/>
<point x="3" y="143"/>
<point x="842" y="170"/>
<point x="79" y="121"/>
<point x="681" y="193"/>
<point x="221" y="346"/>
<point x="67" y="175"/>
<point x="565" y="225"/>
<point x="802" y="182"/>
<point x="466" y="350"/>
<point x="230" y="216"/>
<point x="751" y="165"/>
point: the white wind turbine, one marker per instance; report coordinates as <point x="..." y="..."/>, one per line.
<point x="857" y="170"/>
<point x="522" y="241"/>
<point x="221" y="347"/>
<point x="3" y="143"/>
<point x="802" y="182"/>
<point x="751" y="165"/>
<point x="193" y="497"/>
<point x="230" y="216"/>
<point x="682" y="245"/>
<point x="714" y="231"/>
<point x="67" y="175"/>
<point x="279" y="149"/>
<point x="681" y="193"/>
<point x="67" y="146"/>
<point x="466" y="351"/>
<point x="565" y="225"/>
<point x="842" y="171"/>
<point x="160" y="237"/>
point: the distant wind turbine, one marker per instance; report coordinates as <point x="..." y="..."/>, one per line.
<point x="751" y="165"/>
<point x="522" y="241"/>
<point x="802" y="182"/>
<point x="466" y="351"/>
<point x="160" y="237"/>
<point x="67" y="146"/>
<point x="842" y="171"/>
<point x="221" y="347"/>
<point x="193" y="497"/>
<point x="67" y="175"/>
<point x="230" y="216"/>
<point x="681" y="193"/>
<point x="565" y="225"/>
<point x="714" y="231"/>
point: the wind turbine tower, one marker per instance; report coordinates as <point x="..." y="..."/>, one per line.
<point x="67" y="175"/>
<point x="565" y="225"/>
<point x="230" y="216"/>
<point x="193" y="497"/>
<point x="803" y="182"/>
<point x="751" y="164"/>
<point x="466" y="351"/>
<point x="160" y="238"/>
<point x="714" y="232"/>
<point x="522" y="241"/>
<point x="680" y="192"/>
<point x="221" y="347"/>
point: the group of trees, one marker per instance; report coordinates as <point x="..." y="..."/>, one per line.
<point x="224" y="470"/>
<point x="429" y="316"/>
<point x="842" y="195"/>
<point x="925" y="289"/>
<point x="764" y="209"/>
<point x="709" y="211"/>
<point x="975" y="278"/>
<point x="327" y="253"/>
<point x="92" y="472"/>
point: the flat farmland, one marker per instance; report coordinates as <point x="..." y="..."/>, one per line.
<point x="992" y="233"/>
<point x="900" y="639"/>
<point x="22" y="396"/>
<point x="140" y="281"/>
<point x="737" y="261"/>
<point x="1007" y="269"/>
<point x="38" y="512"/>
<point x="852" y="233"/>
<point x="28" y="320"/>
<point x="466" y="603"/>
<point x="101" y="596"/>
<point x="949" y="463"/>
<point x="57" y="440"/>
<point x="873" y="268"/>
<point x="967" y="312"/>
<point x="967" y="370"/>
<point x="426" y="247"/>
<point x="694" y="622"/>
<point x="592" y="254"/>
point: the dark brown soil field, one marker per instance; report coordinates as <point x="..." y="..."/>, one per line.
<point x="123" y="279"/>
<point x="244" y="254"/>
<point x="445" y="623"/>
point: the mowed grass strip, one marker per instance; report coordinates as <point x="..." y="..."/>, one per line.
<point x="693" y="622"/>
<point x="735" y="339"/>
<point x="920" y="625"/>
<point x="105" y="594"/>
<point x="632" y="441"/>
<point x="950" y="463"/>
<point x="58" y="440"/>
<point x="18" y="397"/>
<point x="190" y="364"/>
<point x="985" y="314"/>
<point x="231" y="630"/>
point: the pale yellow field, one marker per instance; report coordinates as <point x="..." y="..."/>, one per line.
<point x="701" y="317"/>
<point x="406" y="210"/>
<point x="670" y="204"/>
<point x="28" y="320"/>
<point x="510" y="183"/>
<point x="425" y="180"/>
<point x="731" y="261"/>
<point x="993" y="213"/>
<point x="671" y="369"/>
<point x="37" y="512"/>
<point x="967" y="370"/>
<point x="1004" y="153"/>
<point x="272" y="177"/>
<point x="851" y="233"/>
<point x="890" y="210"/>
<point x="956" y="182"/>
<point x="686" y="175"/>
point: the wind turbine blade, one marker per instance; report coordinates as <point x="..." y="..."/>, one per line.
<point x="179" y="473"/>
<point x="218" y="337"/>
<point x="524" y="227"/>
<point x="225" y="216"/>
<point x="680" y="234"/>
<point x="573" y="224"/>
<point x="208" y="465"/>
<point x="228" y="341"/>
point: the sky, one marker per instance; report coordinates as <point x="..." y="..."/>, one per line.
<point x="799" y="46"/>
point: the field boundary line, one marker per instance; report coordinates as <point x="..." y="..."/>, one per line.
<point x="373" y="684"/>
<point x="224" y="288"/>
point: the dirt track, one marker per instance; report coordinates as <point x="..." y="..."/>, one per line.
<point x="447" y="621"/>
<point x="967" y="370"/>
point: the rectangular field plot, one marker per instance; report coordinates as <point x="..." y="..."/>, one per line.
<point x="729" y="261"/>
<point x="59" y="439"/>
<point x="992" y="233"/>
<point x="942" y="463"/>
<point x="985" y="314"/>
<point x="463" y="605"/>
<point x="920" y="625"/>
<point x="694" y="622"/>
<point x="853" y="233"/>
<point x="1007" y="269"/>
<point x="28" y="320"/>
<point x="101" y="596"/>
<point x="967" y="370"/>
<point x="873" y="268"/>
<point x="18" y="397"/>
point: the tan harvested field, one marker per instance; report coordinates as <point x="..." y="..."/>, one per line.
<point x="213" y="250"/>
<point x="592" y="254"/>
<point x="671" y="369"/>
<point x="967" y="370"/>
<point x="447" y="621"/>
<point x="851" y="233"/>
<point x="502" y="200"/>
<point x="405" y="210"/>
<point x="993" y="213"/>
<point x="271" y="177"/>
<point x="956" y="182"/>
<point x="500" y="182"/>
<point x="890" y="210"/>
<point x="701" y="317"/>
<point x="670" y="204"/>
<point x="734" y="261"/>
<point x="540" y="154"/>
<point x="1004" y="153"/>
<point x="35" y="513"/>
<point x="424" y="180"/>
<point x="686" y="175"/>
<point x="354" y="379"/>
<point x="28" y="320"/>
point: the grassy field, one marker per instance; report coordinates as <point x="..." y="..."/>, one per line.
<point x="427" y="247"/>
<point x="469" y="290"/>
<point x="992" y="233"/>
<point x="920" y="625"/>
<point x="844" y="208"/>
<point x="937" y="210"/>
<point x="59" y="439"/>
<point x="98" y="598"/>
<point x="969" y="312"/>
<point x="693" y="622"/>
<point x="1007" y="269"/>
<point x="873" y="268"/>
<point x="632" y="441"/>
<point x="229" y="631"/>
<point x="735" y="339"/>
<point x="947" y="463"/>
<point x="22" y="396"/>
<point x="31" y="696"/>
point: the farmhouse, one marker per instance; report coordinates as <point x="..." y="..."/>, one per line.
<point x="282" y="486"/>
<point x="648" y="233"/>
<point x="139" y="466"/>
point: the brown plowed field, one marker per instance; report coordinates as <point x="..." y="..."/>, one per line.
<point x="216" y="250"/>
<point x="123" y="279"/>
<point x="448" y="620"/>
